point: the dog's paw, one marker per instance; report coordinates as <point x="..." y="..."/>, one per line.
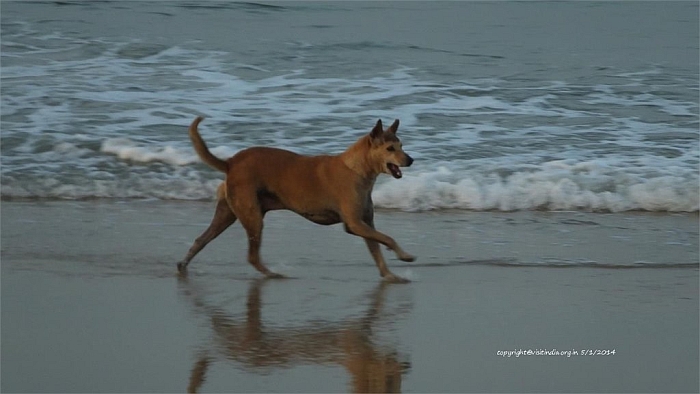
<point x="391" y="278"/>
<point x="407" y="258"/>
<point x="182" y="268"/>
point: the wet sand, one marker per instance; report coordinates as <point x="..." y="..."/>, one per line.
<point x="91" y="302"/>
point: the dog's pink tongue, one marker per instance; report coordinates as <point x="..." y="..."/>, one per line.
<point x="395" y="171"/>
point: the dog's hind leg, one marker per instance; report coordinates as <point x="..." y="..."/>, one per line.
<point x="251" y="217"/>
<point x="223" y="218"/>
<point x="198" y="374"/>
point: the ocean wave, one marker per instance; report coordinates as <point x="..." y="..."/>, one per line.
<point x="550" y="187"/>
<point x="107" y="117"/>
<point x="127" y="149"/>
<point x="556" y="188"/>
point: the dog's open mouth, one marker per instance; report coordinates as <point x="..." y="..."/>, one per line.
<point x="394" y="169"/>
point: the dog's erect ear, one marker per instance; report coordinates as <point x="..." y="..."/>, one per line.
<point x="394" y="126"/>
<point x="377" y="131"/>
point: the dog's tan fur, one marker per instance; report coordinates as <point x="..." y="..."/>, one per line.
<point x="324" y="189"/>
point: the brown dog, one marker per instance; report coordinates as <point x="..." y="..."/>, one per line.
<point x="324" y="189"/>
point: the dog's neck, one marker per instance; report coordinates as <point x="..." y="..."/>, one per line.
<point x="355" y="158"/>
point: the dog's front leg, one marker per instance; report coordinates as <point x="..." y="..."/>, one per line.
<point x="356" y="226"/>
<point x="375" y="251"/>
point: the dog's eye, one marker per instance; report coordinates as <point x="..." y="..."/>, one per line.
<point x="391" y="149"/>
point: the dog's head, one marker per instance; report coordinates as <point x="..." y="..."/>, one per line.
<point x="386" y="150"/>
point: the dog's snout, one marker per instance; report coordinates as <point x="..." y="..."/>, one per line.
<point x="409" y="161"/>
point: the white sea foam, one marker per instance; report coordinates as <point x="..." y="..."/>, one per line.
<point x="644" y="100"/>
<point x="551" y="187"/>
<point x="127" y="150"/>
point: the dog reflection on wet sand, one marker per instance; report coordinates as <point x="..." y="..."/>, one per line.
<point x="348" y="343"/>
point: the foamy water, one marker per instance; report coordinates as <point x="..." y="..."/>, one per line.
<point x="92" y="109"/>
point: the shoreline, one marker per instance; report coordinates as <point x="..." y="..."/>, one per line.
<point x="126" y="200"/>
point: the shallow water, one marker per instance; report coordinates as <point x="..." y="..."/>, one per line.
<point x="443" y="332"/>
<point x="504" y="106"/>
<point x="91" y="302"/>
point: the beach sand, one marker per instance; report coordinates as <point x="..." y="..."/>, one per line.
<point x="499" y="302"/>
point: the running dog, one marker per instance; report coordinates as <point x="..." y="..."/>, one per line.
<point x="324" y="189"/>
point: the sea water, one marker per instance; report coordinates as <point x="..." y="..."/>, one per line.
<point x="587" y="106"/>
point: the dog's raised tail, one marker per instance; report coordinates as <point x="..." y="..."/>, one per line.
<point x="201" y="148"/>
